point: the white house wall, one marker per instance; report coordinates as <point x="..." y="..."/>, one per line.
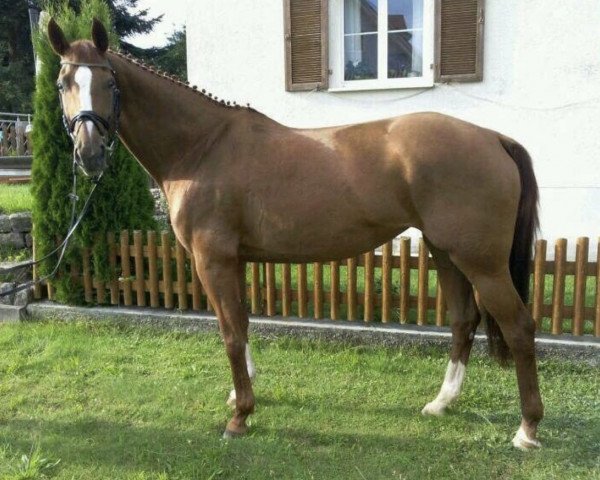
<point x="541" y="86"/>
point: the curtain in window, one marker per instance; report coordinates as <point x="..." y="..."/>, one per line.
<point x="352" y="25"/>
<point x="417" y="36"/>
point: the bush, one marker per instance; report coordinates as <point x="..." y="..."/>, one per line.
<point x="122" y="199"/>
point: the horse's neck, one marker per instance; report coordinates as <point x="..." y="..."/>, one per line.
<point x="162" y="121"/>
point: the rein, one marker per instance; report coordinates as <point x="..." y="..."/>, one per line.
<point x="75" y="220"/>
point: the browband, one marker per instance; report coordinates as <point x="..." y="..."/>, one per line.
<point x="79" y="64"/>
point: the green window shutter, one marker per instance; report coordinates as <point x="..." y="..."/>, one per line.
<point x="306" y="44"/>
<point x="459" y="40"/>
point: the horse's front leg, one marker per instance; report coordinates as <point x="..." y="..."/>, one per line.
<point x="220" y="277"/>
<point x="249" y="361"/>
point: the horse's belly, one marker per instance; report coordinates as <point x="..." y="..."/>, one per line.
<point x="309" y="245"/>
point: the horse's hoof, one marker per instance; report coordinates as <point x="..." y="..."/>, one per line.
<point x="231" y="434"/>
<point x="523" y="442"/>
<point x="235" y="429"/>
<point x="434" y="408"/>
<point x="228" y="435"/>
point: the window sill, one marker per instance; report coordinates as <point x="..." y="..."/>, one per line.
<point x="366" y="85"/>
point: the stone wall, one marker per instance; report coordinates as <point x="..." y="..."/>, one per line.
<point x="15" y="233"/>
<point x="15" y="230"/>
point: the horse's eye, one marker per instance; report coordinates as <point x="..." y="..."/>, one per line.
<point x="60" y="86"/>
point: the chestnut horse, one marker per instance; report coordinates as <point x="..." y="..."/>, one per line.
<point x="242" y="187"/>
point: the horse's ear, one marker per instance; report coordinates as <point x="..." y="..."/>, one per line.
<point x="99" y="36"/>
<point x="58" y="42"/>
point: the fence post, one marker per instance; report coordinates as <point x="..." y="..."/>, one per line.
<point x="369" y="285"/>
<point x="302" y="295"/>
<point x="126" y="267"/>
<point x="423" y="292"/>
<point x="286" y="290"/>
<point x="386" y="283"/>
<point x="98" y="282"/>
<point x="404" y="278"/>
<point x="37" y="289"/>
<point x="140" y="276"/>
<point x="539" y="281"/>
<point x="165" y="241"/>
<point x="318" y="290"/>
<point x="271" y="293"/>
<point x="19" y="136"/>
<point x="558" y="294"/>
<point x="153" y="269"/>
<point x="351" y="288"/>
<point x="581" y="258"/>
<point x="112" y="260"/>
<point x="334" y="293"/>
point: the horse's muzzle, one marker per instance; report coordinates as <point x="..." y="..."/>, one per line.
<point x="91" y="162"/>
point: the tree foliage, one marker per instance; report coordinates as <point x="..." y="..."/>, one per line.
<point x="16" y="54"/>
<point x="127" y="18"/>
<point x="16" y="57"/>
<point x="122" y="199"/>
<point x="171" y="58"/>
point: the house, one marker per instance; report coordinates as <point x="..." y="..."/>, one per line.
<point x="530" y="70"/>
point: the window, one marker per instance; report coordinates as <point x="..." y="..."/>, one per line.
<point x="372" y="44"/>
<point x="381" y="44"/>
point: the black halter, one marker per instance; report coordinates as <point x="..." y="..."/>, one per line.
<point x="103" y="125"/>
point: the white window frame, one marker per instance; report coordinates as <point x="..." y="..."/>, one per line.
<point x="336" y="48"/>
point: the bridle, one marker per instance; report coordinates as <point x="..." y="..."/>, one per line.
<point x="108" y="135"/>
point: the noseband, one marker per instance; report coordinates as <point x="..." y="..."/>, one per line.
<point x="102" y="124"/>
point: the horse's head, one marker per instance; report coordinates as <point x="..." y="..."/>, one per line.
<point x="88" y="94"/>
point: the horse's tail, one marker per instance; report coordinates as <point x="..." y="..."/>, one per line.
<point x="522" y="247"/>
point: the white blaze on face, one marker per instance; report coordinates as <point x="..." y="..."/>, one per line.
<point x="455" y="374"/>
<point x="83" y="79"/>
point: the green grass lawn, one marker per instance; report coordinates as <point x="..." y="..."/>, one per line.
<point x="109" y="402"/>
<point x="15" y="198"/>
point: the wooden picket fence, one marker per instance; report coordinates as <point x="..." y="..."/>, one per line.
<point x="377" y="286"/>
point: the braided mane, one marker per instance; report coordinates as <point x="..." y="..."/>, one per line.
<point x="178" y="81"/>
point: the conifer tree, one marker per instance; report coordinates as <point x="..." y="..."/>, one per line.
<point x="122" y="199"/>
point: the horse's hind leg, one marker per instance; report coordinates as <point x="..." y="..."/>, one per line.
<point x="220" y="277"/>
<point x="464" y="317"/>
<point x="500" y="298"/>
